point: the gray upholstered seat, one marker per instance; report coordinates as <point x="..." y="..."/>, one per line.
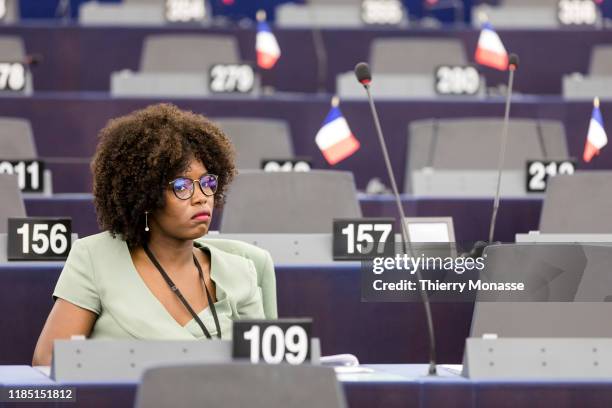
<point x="177" y="65"/>
<point x="337" y="14"/>
<point x="578" y="204"/>
<point x="404" y="67"/>
<point x="598" y="82"/>
<point x="294" y="202"/>
<point x="601" y="60"/>
<point x="187" y="53"/>
<point x="352" y="2"/>
<point x="564" y="273"/>
<point x="10" y="14"/>
<point x="16" y="139"/>
<point x="520" y="14"/>
<point x="531" y="3"/>
<point x="415" y="56"/>
<point x="256" y="139"/>
<point x="127" y="13"/>
<point x="581" y="87"/>
<point x="12" y="49"/>
<point x="11" y="202"/>
<point x="471" y="145"/>
<point x="240" y="385"/>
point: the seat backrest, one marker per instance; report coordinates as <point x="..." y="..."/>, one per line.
<point x="10" y="14"/>
<point x="415" y="56"/>
<point x="11" y="202"/>
<point x="324" y="2"/>
<point x="601" y="60"/>
<point x="578" y="204"/>
<point x="121" y="14"/>
<point x="524" y="15"/>
<point x="289" y="202"/>
<point x="567" y="287"/>
<point x="16" y="139"/>
<point x="473" y="143"/>
<point x="155" y="2"/>
<point x="343" y="14"/>
<point x="264" y="265"/>
<point x="12" y="49"/>
<point x="240" y="385"/>
<point x="187" y="53"/>
<point x="531" y="3"/>
<point x="257" y="139"/>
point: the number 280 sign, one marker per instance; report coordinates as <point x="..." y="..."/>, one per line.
<point x="39" y="239"/>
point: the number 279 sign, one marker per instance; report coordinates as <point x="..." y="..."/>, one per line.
<point x="39" y="239"/>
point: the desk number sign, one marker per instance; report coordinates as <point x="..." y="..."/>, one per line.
<point x="382" y="12"/>
<point x="30" y="174"/>
<point x="273" y="341"/>
<point x="577" y="12"/>
<point x="363" y="238"/>
<point x="39" y="239"/>
<point x="3" y="10"/>
<point x="540" y="171"/>
<point x="183" y="11"/>
<point x="456" y="80"/>
<point x="231" y="78"/>
<point x="297" y="164"/>
<point x="12" y="76"/>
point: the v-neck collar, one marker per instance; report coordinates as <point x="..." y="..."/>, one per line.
<point x="153" y="308"/>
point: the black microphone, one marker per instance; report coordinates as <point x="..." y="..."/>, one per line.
<point x="364" y="76"/>
<point x="513" y="62"/>
<point x="479" y="247"/>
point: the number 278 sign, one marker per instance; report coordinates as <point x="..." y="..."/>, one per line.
<point x="39" y="239"/>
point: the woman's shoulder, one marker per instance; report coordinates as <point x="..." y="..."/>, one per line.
<point x="100" y="246"/>
<point x="239" y="249"/>
<point x="101" y="239"/>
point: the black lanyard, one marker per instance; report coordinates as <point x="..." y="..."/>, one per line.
<point x="178" y="293"/>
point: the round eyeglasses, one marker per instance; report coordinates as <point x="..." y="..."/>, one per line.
<point x="184" y="187"/>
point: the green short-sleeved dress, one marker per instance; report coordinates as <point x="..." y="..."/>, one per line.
<point x="99" y="275"/>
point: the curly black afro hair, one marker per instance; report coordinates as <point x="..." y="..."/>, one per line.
<point x="140" y="153"/>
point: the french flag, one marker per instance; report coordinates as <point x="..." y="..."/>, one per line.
<point x="490" y="50"/>
<point x="268" y="51"/>
<point x="335" y="138"/>
<point x="596" y="138"/>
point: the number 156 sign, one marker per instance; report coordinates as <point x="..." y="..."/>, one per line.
<point x="39" y="239"/>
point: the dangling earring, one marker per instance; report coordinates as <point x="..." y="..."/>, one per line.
<point x="147" y="221"/>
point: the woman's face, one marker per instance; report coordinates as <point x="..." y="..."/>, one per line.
<point x="185" y="219"/>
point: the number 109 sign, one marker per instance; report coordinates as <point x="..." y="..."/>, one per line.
<point x="272" y="341"/>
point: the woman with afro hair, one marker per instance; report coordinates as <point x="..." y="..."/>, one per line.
<point x="158" y="174"/>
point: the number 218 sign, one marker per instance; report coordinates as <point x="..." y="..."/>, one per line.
<point x="540" y="171"/>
